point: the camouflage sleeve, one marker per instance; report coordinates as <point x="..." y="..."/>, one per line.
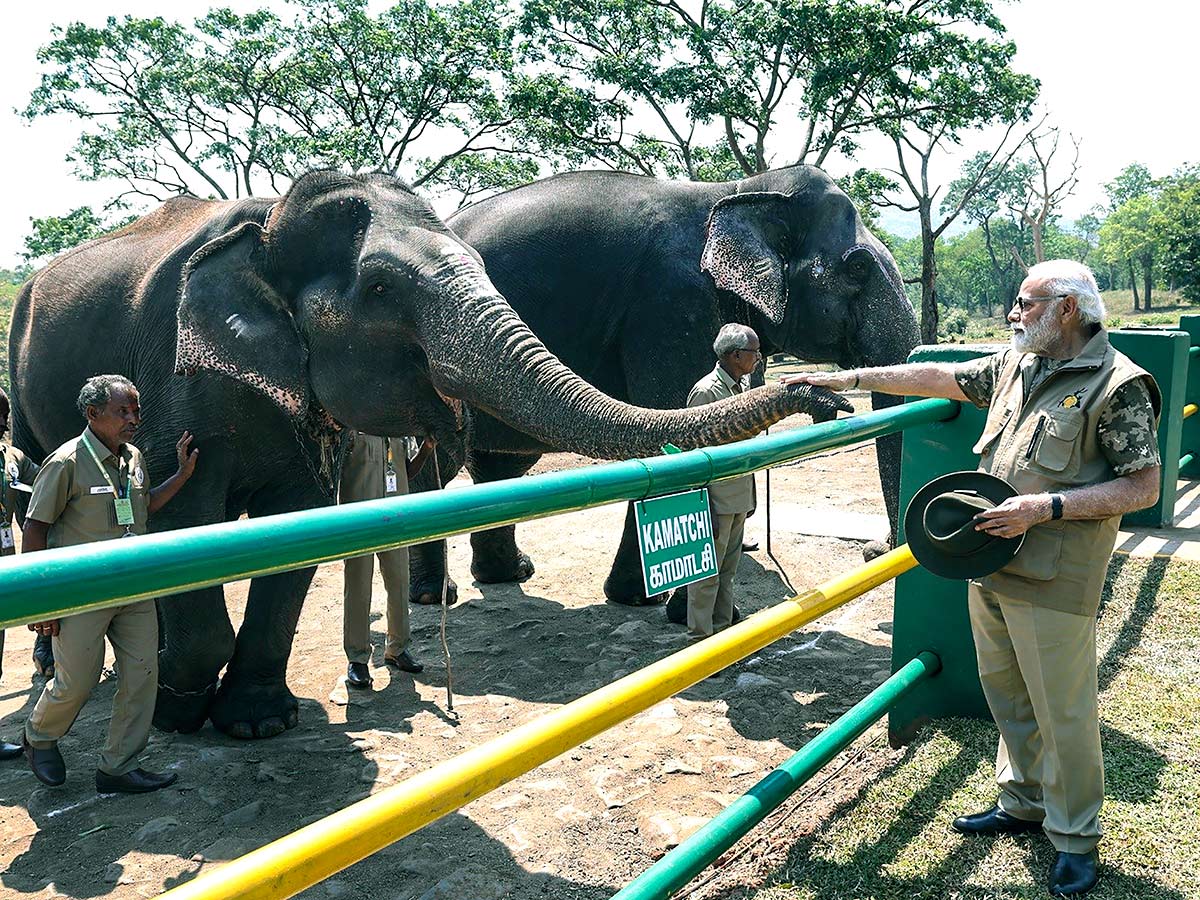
<point x="977" y="378"/>
<point x="1126" y="430"/>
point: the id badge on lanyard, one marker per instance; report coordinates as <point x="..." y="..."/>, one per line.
<point x="122" y="503"/>
<point x="6" y="537"/>
<point x="390" y="483"/>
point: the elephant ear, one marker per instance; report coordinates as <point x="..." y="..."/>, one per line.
<point x="233" y="321"/>
<point x="739" y="253"/>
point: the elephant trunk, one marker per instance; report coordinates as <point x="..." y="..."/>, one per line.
<point x="480" y="351"/>
<point x="885" y="333"/>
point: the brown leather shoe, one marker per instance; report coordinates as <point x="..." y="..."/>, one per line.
<point x="994" y="821"/>
<point x="47" y="763"/>
<point x="405" y="662"/>
<point x="1073" y="874"/>
<point x="138" y="781"/>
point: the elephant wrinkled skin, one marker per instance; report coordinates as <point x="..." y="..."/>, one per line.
<point x="264" y="327"/>
<point x="627" y="279"/>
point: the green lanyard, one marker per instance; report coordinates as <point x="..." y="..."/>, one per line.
<point x="122" y="503"/>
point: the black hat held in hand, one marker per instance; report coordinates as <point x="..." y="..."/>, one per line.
<point x="940" y="525"/>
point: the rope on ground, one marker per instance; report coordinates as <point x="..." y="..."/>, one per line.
<point x="437" y="474"/>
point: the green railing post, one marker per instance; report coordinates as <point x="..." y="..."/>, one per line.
<point x="1163" y="353"/>
<point x="1190" y="434"/>
<point x="699" y="850"/>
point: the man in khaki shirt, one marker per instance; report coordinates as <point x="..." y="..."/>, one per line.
<point x="18" y="473"/>
<point x="377" y="467"/>
<point x="1071" y="425"/>
<point x="710" y="602"/>
<point x="95" y="488"/>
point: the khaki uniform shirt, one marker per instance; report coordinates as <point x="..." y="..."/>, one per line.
<point x="364" y="473"/>
<point x="19" y="468"/>
<point x="735" y="495"/>
<point x="75" y="499"/>
<point x="1058" y="424"/>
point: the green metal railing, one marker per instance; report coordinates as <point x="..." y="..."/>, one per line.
<point x="54" y="583"/>
<point x="692" y="856"/>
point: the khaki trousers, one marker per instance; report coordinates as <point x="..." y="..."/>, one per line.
<point x="356" y="616"/>
<point x="78" y="660"/>
<point x="710" y="602"/>
<point x="1038" y="670"/>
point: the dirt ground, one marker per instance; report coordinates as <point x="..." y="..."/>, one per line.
<point x="578" y="827"/>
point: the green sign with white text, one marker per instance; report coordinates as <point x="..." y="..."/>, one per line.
<point x="676" y="540"/>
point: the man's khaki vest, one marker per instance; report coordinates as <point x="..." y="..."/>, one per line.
<point x="1049" y="443"/>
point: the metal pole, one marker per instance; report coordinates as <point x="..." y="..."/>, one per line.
<point x="68" y="580"/>
<point x="313" y="853"/>
<point x="692" y="856"/>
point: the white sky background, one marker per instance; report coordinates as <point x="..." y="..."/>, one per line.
<point x="1120" y="76"/>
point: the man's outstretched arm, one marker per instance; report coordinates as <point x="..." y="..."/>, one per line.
<point x="909" y="379"/>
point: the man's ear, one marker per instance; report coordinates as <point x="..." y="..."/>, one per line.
<point x="233" y="321"/>
<point x="739" y="253"/>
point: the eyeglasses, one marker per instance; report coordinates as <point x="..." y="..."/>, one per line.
<point x="1026" y="302"/>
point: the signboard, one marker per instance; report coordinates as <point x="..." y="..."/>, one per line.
<point x="676" y="540"/>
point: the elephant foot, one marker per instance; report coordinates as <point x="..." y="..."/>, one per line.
<point x="874" y="549"/>
<point x="629" y="593"/>
<point x="429" y="593"/>
<point x="493" y="571"/>
<point x="182" y="711"/>
<point x="243" y="710"/>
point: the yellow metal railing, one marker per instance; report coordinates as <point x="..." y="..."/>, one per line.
<point x="305" y="857"/>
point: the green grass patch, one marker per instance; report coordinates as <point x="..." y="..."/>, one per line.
<point x="890" y="836"/>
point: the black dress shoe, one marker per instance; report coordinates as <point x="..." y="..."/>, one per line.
<point x="995" y="821"/>
<point x="1073" y="874"/>
<point x="47" y="764"/>
<point x="138" y="781"/>
<point x="10" y="751"/>
<point x="404" y="662"/>
<point x="358" y="675"/>
<point x="749" y="546"/>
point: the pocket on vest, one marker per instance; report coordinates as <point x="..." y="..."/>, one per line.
<point x="1055" y="448"/>
<point x="1039" y="557"/>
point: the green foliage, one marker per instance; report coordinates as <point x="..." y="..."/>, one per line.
<point x="867" y="188"/>
<point x="1176" y="224"/>
<point x="54" y="234"/>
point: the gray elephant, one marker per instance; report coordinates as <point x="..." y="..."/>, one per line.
<point x="264" y="326"/>
<point x="627" y="279"/>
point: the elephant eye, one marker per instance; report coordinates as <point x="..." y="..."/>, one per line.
<point x="379" y="288"/>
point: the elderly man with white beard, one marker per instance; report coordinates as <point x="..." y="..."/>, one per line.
<point x="1071" y="425"/>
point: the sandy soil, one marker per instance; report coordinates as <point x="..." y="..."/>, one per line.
<point x="577" y="827"/>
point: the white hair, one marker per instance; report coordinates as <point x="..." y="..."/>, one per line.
<point x="733" y="336"/>
<point x="1066" y="276"/>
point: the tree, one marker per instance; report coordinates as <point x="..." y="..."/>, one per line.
<point x="54" y="234"/>
<point x="955" y="82"/>
<point x="235" y="104"/>
<point x="1176" y="223"/>
<point x="1128" y="235"/>
<point x="1133" y="182"/>
<point x="1042" y="192"/>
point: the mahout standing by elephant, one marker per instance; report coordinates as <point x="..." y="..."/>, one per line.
<point x="266" y="326"/>
<point x="627" y="280"/>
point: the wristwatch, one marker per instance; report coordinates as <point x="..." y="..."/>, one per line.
<point x="1056" y="501"/>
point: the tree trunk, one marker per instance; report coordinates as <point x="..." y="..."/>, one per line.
<point x="929" y="308"/>
<point x="1039" y="251"/>
<point x="1137" y="306"/>
<point x="1147" y="282"/>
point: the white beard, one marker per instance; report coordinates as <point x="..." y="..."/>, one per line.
<point x="1036" y="337"/>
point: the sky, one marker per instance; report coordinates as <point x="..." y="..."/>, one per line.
<point x="1116" y="76"/>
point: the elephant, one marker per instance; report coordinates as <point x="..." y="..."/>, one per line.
<point x="267" y="327"/>
<point x="627" y="279"/>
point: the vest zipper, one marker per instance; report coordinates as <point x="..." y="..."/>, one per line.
<point x="1037" y="432"/>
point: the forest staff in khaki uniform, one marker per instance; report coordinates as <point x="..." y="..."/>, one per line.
<point x="1071" y="425"/>
<point x="18" y="473"/>
<point x="377" y="467"/>
<point x="710" y="602"/>
<point x="95" y="488"/>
